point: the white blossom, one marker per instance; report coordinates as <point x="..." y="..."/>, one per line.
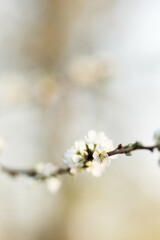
<point x="80" y="146"/>
<point x="96" y="168"/>
<point x="99" y="139"/>
<point x="46" y="169"/>
<point x="74" y="171"/>
<point x="89" y="153"/>
<point x="53" y="184"/>
<point x="72" y="159"/>
<point x="100" y="155"/>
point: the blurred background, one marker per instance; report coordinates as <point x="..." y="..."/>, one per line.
<point x="67" y="67"/>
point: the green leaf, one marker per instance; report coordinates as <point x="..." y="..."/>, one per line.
<point x="128" y="154"/>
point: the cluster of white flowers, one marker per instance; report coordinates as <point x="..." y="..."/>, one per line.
<point x="89" y="153"/>
<point x="46" y="170"/>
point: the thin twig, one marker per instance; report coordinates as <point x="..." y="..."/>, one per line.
<point x="131" y="147"/>
<point x="33" y="173"/>
<point x="60" y="171"/>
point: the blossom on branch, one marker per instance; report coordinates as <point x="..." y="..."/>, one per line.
<point x="45" y="169"/>
<point x="45" y="172"/>
<point x="100" y="155"/>
<point x="89" y="153"/>
<point x="93" y="154"/>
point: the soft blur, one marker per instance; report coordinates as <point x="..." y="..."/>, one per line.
<point x="67" y="67"/>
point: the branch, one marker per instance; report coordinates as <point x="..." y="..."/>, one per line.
<point x="33" y="173"/>
<point x="60" y="171"/>
<point x="131" y="147"/>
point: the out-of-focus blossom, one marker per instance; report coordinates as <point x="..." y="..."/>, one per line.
<point x="95" y="168"/>
<point x="46" y="169"/>
<point x="87" y="70"/>
<point x="15" y="89"/>
<point x="18" y="89"/>
<point x="53" y="184"/>
<point x="46" y="88"/>
<point x="89" y="153"/>
<point x="99" y="139"/>
<point x="45" y="173"/>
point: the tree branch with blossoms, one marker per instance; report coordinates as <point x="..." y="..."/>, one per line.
<point x="93" y="154"/>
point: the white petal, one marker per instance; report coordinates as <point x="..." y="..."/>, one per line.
<point x="80" y="145"/>
<point x="91" y="146"/>
<point x="100" y="148"/>
<point x="92" y="134"/>
<point x="95" y="154"/>
<point x="98" y="169"/>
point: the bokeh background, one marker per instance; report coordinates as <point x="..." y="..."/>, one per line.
<point x="67" y="67"/>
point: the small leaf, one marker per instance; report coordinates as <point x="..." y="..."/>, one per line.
<point x="128" y="145"/>
<point x="138" y="145"/>
<point x="128" y="154"/>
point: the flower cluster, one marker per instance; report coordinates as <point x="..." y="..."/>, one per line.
<point x="89" y="153"/>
